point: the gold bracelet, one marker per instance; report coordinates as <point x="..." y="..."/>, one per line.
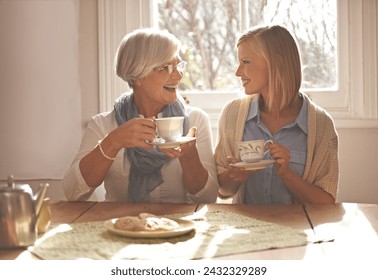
<point x="103" y="153"/>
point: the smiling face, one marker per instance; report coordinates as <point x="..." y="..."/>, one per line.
<point x="158" y="88"/>
<point x="252" y="70"/>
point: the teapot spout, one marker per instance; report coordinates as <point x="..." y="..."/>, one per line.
<point x="39" y="197"/>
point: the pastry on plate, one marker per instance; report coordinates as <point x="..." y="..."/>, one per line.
<point x="145" y="222"/>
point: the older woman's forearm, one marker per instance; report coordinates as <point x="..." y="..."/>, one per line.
<point x="195" y="175"/>
<point x="95" y="165"/>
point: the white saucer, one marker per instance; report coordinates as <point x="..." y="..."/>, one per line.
<point x="185" y="226"/>
<point x="254" y="165"/>
<point x="173" y="144"/>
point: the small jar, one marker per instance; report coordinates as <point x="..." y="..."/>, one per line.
<point x="44" y="218"/>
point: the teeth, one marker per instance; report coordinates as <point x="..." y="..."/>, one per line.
<point x="171" y="87"/>
<point x="244" y="82"/>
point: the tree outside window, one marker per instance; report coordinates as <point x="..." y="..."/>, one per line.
<point x="209" y="31"/>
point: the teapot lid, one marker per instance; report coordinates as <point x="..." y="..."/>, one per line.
<point x="12" y="185"/>
<point x="7" y="189"/>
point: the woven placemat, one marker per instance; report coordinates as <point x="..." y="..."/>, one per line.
<point x="218" y="233"/>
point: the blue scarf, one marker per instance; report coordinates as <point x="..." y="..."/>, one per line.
<point x="145" y="171"/>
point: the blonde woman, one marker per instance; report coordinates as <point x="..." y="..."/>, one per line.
<point x="305" y="147"/>
<point x="116" y="147"/>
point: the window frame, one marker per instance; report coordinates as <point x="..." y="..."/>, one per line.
<point x="354" y="104"/>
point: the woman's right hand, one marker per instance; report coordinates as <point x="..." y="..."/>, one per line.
<point x="134" y="133"/>
<point x="230" y="180"/>
<point x="238" y="174"/>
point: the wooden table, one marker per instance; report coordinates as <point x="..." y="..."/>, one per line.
<point x="287" y="215"/>
<point x="352" y="228"/>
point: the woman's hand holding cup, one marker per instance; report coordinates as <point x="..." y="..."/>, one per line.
<point x="254" y="150"/>
<point x="136" y="132"/>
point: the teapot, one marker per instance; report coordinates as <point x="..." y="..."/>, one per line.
<point x="19" y="213"/>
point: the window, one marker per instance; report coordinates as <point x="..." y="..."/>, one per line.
<point x="339" y="50"/>
<point x="210" y="29"/>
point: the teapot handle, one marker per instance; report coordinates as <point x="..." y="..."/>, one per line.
<point x="39" y="197"/>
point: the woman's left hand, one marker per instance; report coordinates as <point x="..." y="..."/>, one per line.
<point x="183" y="150"/>
<point x="282" y="156"/>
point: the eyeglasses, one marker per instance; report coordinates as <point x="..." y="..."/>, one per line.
<point x="169" y="68"/>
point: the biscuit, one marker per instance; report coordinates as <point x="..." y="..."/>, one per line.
<point x="129" y="223"/>
<point x="145" y="222"/>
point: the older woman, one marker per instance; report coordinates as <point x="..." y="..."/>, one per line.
<point x="117" y="146"/>
<point x="305" y="147"/>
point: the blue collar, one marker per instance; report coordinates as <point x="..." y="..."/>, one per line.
<point x="301" y="120"/>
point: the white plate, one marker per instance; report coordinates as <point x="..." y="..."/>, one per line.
<point x="175" y="143"/>
<point x="185" y="226"/>
<point x="254" y="165"/>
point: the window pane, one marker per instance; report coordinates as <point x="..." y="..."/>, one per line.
<point x="314" y="24"/>
<point x="209" y="30"/>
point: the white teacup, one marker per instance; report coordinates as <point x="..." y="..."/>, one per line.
<point x="254" y="150"/>
<point x="170" y="128"/>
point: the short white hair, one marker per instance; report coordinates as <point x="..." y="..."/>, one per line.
<point x="142" y="50"/>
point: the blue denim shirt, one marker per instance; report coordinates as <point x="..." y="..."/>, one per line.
<point x="265" y="187"/>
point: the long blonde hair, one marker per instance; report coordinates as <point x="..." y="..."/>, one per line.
<point x="279" y="49"/>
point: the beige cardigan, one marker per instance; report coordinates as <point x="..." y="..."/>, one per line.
<point x="322" y="165"/>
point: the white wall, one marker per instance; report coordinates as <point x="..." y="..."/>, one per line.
<point x="49" y="90"/>
<point x="358" y="153"/>
<point x="45" y="73"/>
<point x="39" y="86"/>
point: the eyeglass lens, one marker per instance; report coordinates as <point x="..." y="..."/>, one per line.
<point x="180" y="66"/>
